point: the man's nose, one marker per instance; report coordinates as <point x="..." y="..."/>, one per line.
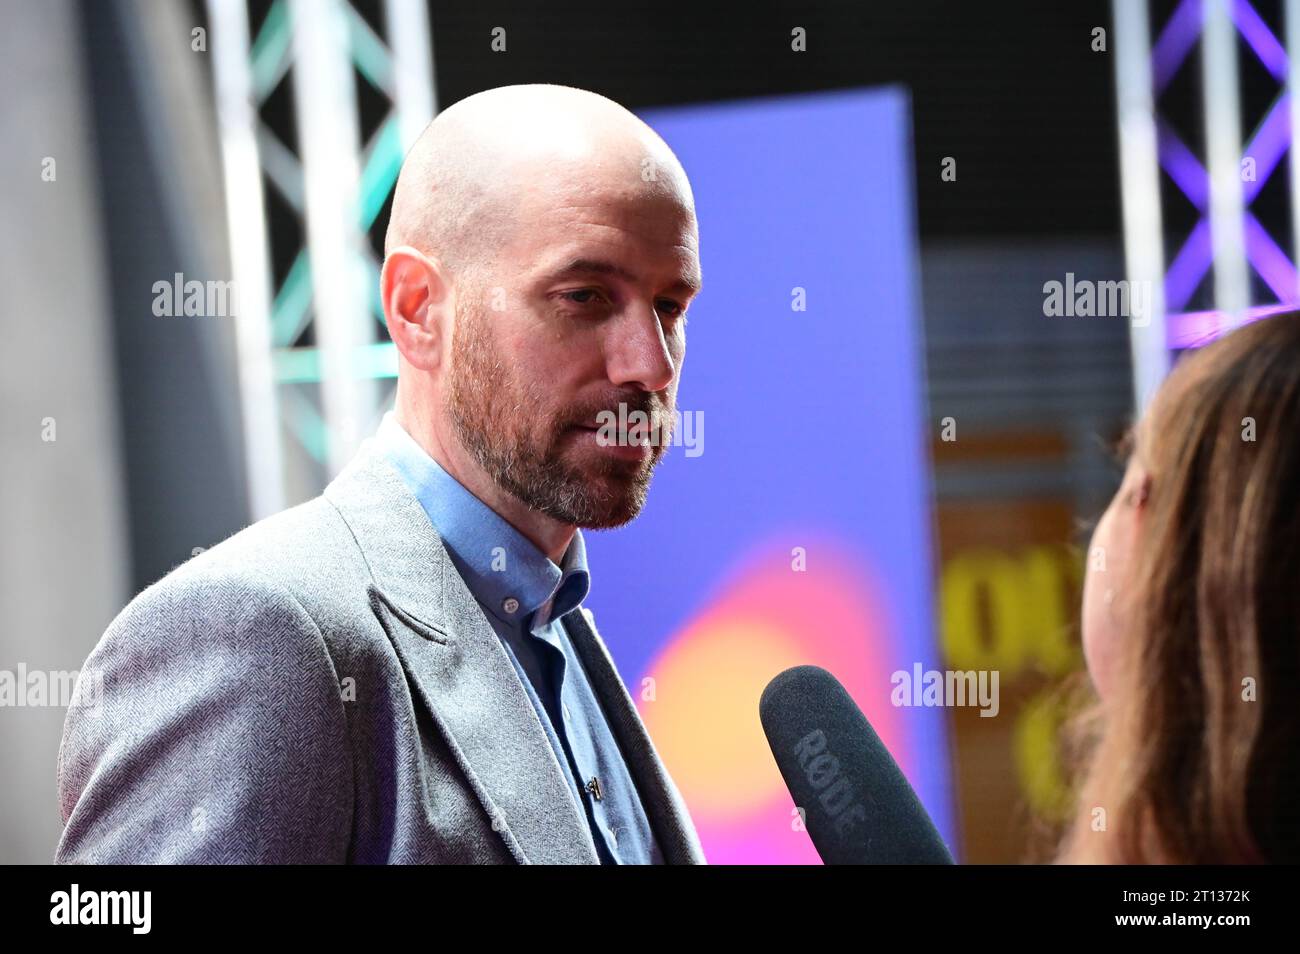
<point x="638" y="353"/>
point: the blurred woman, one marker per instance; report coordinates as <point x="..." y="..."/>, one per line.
<point x="1191" y="620"/>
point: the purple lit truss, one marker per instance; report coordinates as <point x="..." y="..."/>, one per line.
<point x="1266" y="146"/>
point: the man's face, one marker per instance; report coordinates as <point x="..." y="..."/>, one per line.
<point x="581" y="312"/>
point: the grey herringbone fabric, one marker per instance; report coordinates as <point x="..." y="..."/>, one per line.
<point x="322" y="687"/>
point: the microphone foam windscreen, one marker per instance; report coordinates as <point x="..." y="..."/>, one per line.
<point x="858" y="807"/>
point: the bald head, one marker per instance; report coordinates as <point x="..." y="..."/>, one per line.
<point x="540" y="258"/>
<point x="481" y="162"/>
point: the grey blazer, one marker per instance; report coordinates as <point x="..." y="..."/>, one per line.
<point x="323" y="688"/>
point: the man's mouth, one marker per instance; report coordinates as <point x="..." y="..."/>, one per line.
<point x="620" y="443"/>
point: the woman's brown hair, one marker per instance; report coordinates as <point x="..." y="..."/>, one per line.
<point x="1195" y="756"/>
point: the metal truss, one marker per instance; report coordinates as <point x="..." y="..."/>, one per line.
<point x="315" y="367"/>
<point x="1228" y="243"/>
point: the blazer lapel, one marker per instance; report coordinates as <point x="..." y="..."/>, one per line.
<point x="460" y="671"/>
<point x="663" y="804"/>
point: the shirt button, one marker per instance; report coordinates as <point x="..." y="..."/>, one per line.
<point x="510" y="604"/>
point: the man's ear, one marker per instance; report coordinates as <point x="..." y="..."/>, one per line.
<point x="415" y="295"/>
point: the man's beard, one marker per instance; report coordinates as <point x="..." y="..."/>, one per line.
<point x="498" y="421"/>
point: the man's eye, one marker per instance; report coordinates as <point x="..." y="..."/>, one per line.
<point x="581" y="296"/>
<point x="669" y="308"/>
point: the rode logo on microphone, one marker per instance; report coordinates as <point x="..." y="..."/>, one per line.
<point x="821" y="769"/>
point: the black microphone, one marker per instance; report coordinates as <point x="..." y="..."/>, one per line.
<point x="857" y="805"/>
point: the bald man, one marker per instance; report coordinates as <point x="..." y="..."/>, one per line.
<point x="401" y="670"/>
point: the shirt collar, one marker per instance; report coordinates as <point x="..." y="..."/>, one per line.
<point x="504" y="570"/>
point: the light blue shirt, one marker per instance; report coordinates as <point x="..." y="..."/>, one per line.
<point x="526" y="597"/>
